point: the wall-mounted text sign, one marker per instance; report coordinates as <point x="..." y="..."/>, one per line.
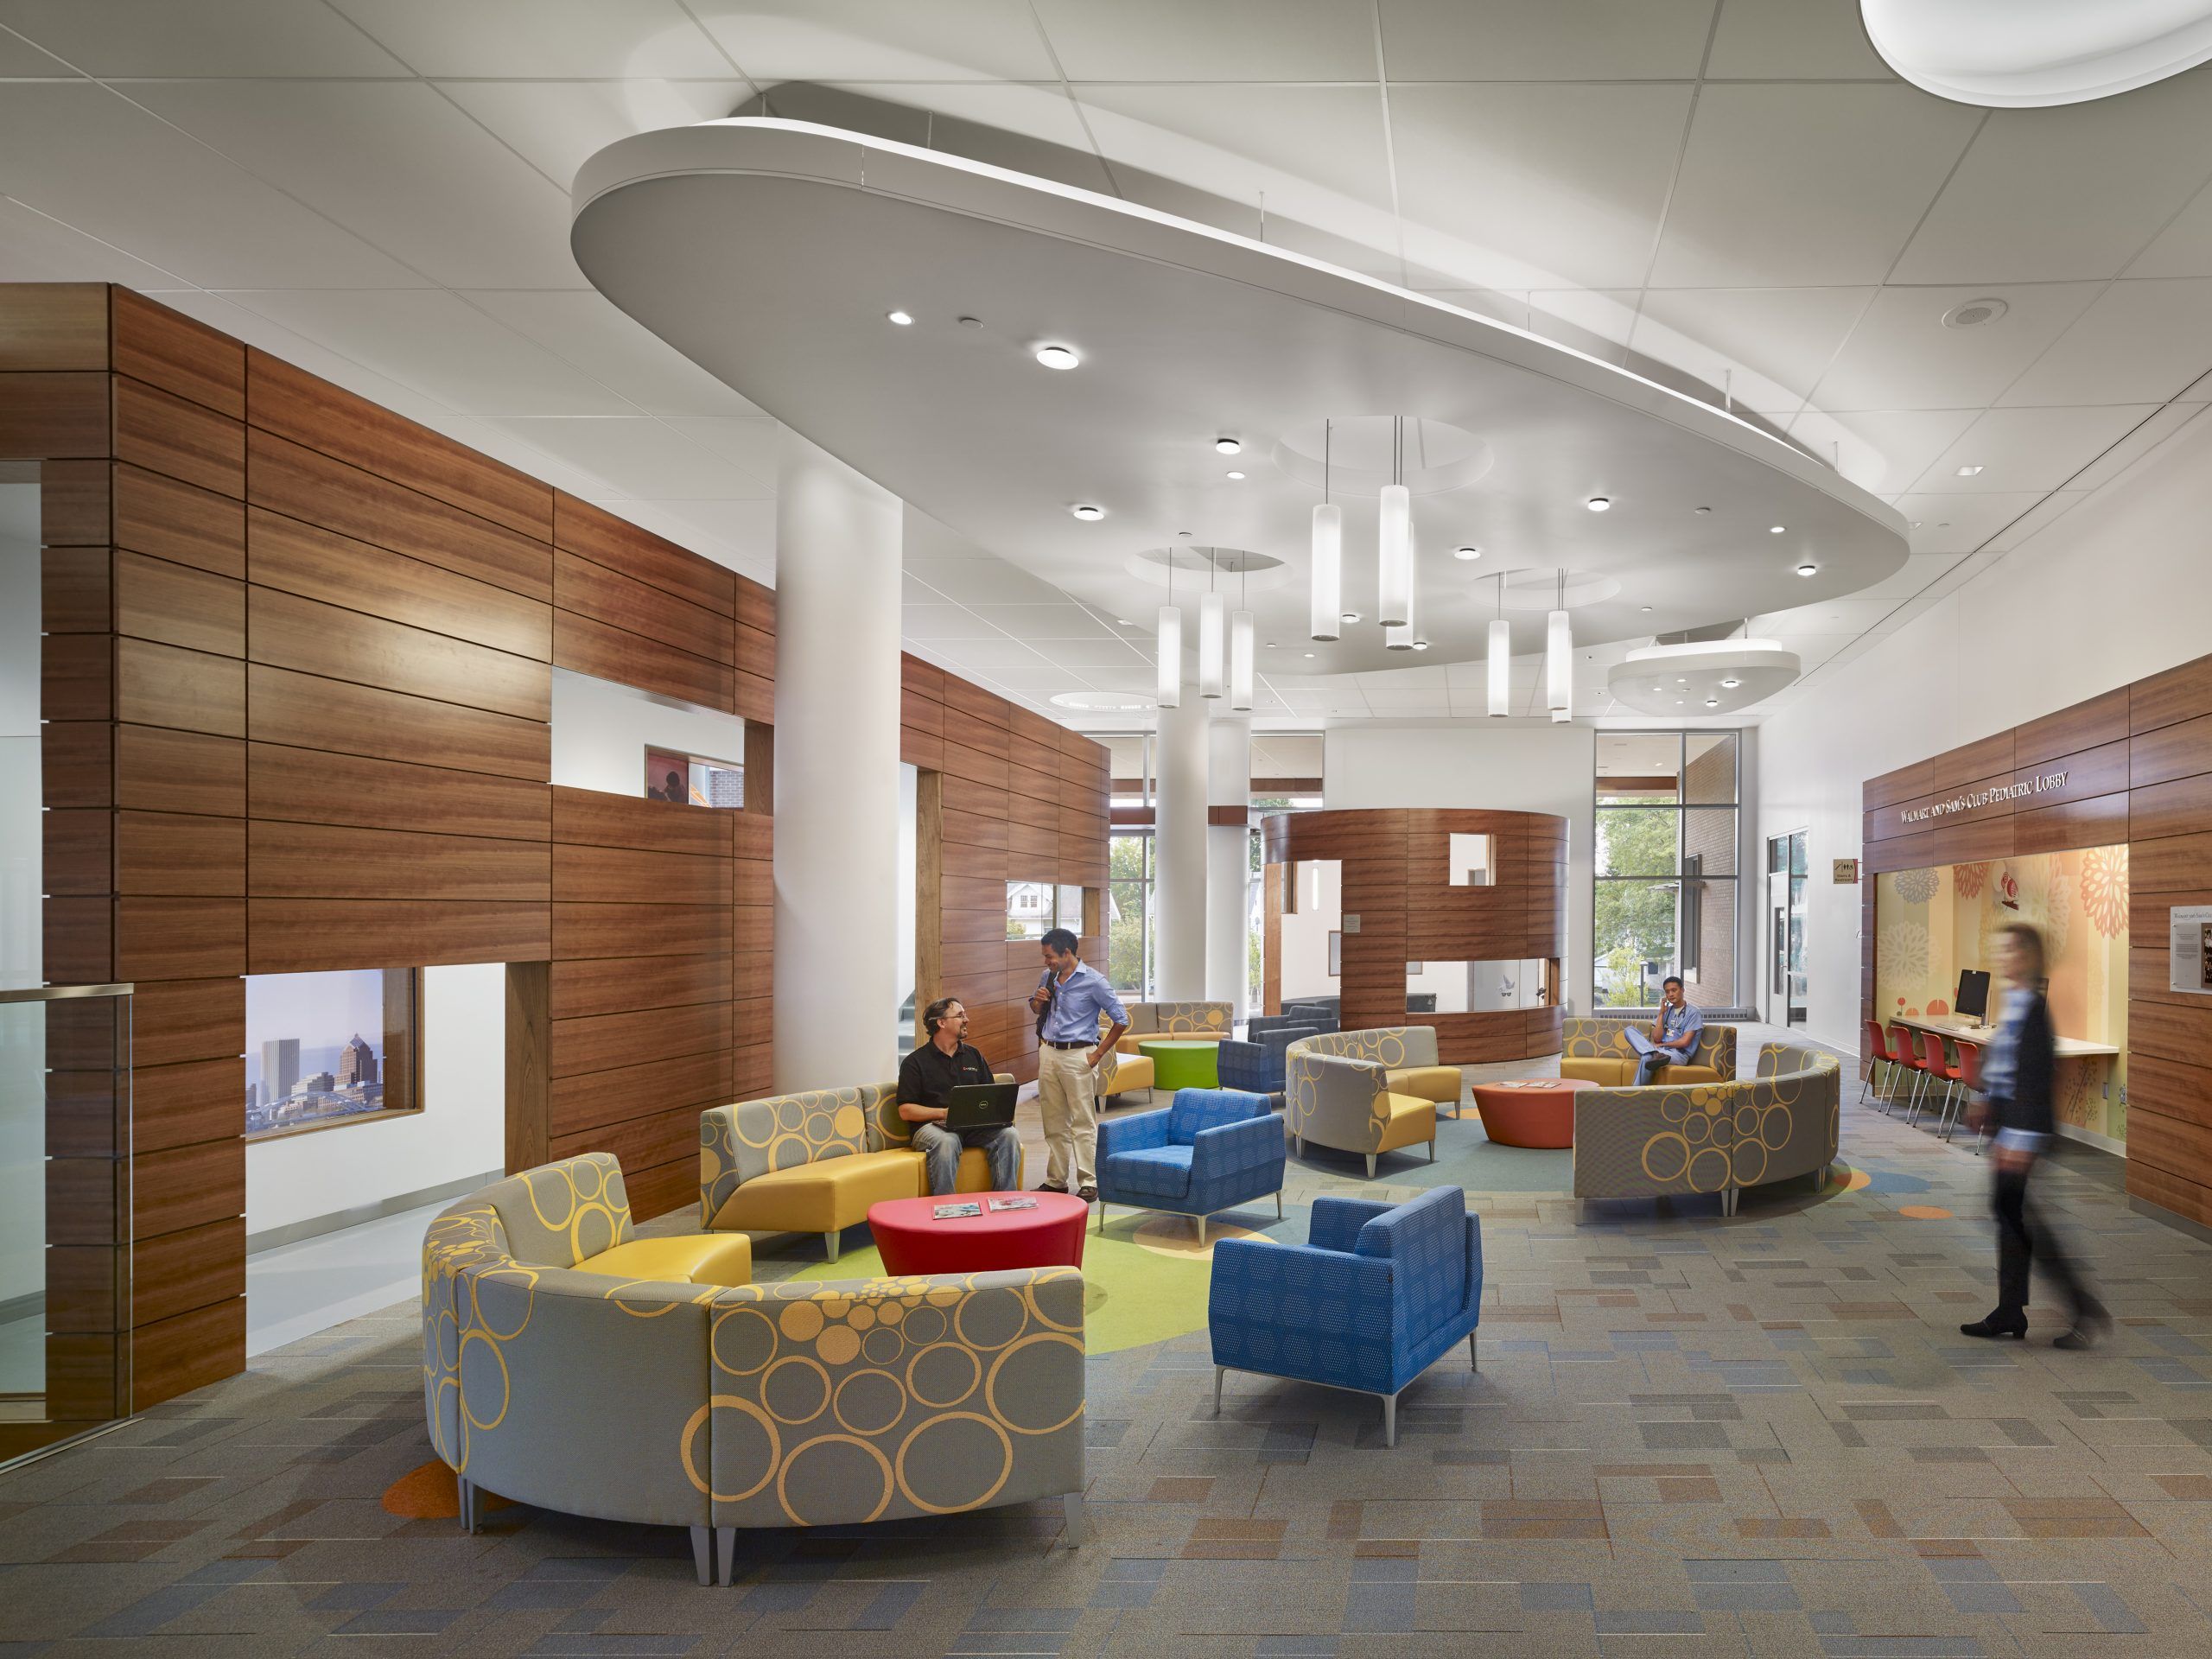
<point x="2041" y="784"/>
<point x="1845" y="872"/>
<point x="2189" y="934"/>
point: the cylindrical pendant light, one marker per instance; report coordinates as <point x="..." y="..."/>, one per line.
<point x="1168" y="647"/>
<point x="1404" y="636"/>
<point x="1328" y="556"/>
<point x="1240" y="651"/>
<point x="1558" y="660"/>
<point x="1396" y="559"/>
<point x="1501" y="657"/>
<point x="1210" y="678"/>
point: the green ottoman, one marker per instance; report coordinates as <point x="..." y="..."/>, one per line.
<point x="1177" y="1063"/>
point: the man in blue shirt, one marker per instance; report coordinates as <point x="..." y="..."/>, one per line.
<point x="1673" y="1034"/>
<point x="1068" y="1002"/>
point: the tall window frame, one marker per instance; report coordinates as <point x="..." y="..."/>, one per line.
<point x="1666" y="874"/>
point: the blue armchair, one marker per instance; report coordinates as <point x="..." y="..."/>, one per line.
<point x="1257" y="1067"/>
<point x="1374" y="1298"/>
<point x="1326" y="1011"/>
<point x="1311" y="1020"/>
<point x="1213" y="1150"/>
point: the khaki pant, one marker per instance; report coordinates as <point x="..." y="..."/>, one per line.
<point x="1067" y="1099"/>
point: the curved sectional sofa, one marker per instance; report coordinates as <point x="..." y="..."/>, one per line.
<point x="672" y="1403"/>
<point x="1367" y="1091"/>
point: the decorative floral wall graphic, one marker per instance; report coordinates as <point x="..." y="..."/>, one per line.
<point x="1901" y="948"/>
<point x="1966" y="879"/>
<point x="1918" y="886"/>
<point x="2104" y="889"/>
<point x="2008" y="889"/>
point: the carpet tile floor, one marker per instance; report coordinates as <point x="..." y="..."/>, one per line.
<point x="1688" y="1435"/>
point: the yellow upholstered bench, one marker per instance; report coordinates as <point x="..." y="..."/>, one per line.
<point x="724" y="1259"/>
<point x="1597" y="1051"/>
<point x="1440" y="1084"/>
<point x="1131" y="1073"/>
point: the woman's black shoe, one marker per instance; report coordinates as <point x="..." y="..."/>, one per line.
<point x="1997" y="1325"/>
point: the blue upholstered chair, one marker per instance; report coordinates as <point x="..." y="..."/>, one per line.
<point x="1326" y="1011"/>
<point x="1213" y="1150"/>
<point x="1312" y="1020"/>
<point x="1256" y="1067"/>
<point x="1374" y="1298"/>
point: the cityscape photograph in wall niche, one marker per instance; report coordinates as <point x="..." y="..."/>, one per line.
<point x="322" y="1048"/>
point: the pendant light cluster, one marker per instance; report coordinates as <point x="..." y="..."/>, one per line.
<point x="1225" y="666"/>
<point x="1396" y="609"/>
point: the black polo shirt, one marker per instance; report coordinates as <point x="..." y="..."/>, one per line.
<point x="928" y="1076"/>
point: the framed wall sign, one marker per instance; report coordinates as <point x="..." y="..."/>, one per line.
<point x="1845" y="871"/>
<point x="2189" y="933"/>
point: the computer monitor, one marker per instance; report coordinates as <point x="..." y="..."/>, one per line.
<point x="1973" y="994"/>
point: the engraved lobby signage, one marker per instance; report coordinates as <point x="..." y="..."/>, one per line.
<point x="2041" y="784"/>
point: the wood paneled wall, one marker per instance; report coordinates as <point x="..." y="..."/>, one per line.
<point x="1394" y="869"/>
<point x="2138" y="762"/>
<point x="1014" y="798"/>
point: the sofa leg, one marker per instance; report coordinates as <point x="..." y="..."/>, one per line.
<point x="1278" y="1203"/>
<point x="467" y="1503"/>
<point x="829" y="1240"/>
<point x="1102" y="1214"/>
<point x="702" y="1554"/>
<point x="1220" y="1373"/>
<point x="1079" y="1530"/>
<point x="1389" y="1420"/>
<point x="1370" y="1165"/>
<point x="726" y="1555"/>
<point x="1474" y="1359"/>
<point x="1431" y="1149"/>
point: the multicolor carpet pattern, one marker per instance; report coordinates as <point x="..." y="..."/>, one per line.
<point x="1756" y="1436"/>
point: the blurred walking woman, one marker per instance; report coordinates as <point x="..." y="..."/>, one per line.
<point x="2016" y="1075"/>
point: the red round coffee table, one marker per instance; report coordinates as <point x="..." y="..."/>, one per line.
<point x="912" y="1240"/>
<point x="1529" y="1111"/>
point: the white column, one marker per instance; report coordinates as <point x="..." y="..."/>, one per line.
<point x="1178" y="888"/>
<point x="837" y="542"/>
<point x="1229" y="783"/>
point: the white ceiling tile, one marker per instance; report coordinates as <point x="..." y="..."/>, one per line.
<point x="393" y="162"/>
<point x="1511" y="309"/>
<point x="557" y="125"/>
<point x="218" y="310"/>
<point x="438" y="343"/>
<point x="2184" y="247"/>
<point x="636" y="456"/>
<point x="937" y="622"/>
<point x="515" y="38"/>
<point x="1920" y="570"/>
<point x="162" y="37"/>
<point x="1901" y="356"/>
<point x="2136" y="445"/>
<point x="1082" y="655"/>
<point x="1596" y="322"/>
<point x="1777" y="340"/>
<point x="1066" y="620"/>
<point x="866" y="40"/>
<point x="1797" y="185"/>
<point x="1838" y="616"/>
<point x="1882" y="451"/>
<point x="1792" y="40"/>
<point x="585" y="329"/>
<point x="1037" y="684"/>
<point x="1222" y="40"/>
<point x="2030" y="448"/>
<point x="2038" y="518"/>
<point x="1031" y="128"/>
<point x="999" y="653"/>
<point x="2138" y="342"/>
<point x="1409" y="702"/>
<point x="1545" y="39"/>
<point x="2071" y="192"/>
<point x="91" y="159"/>
<point x="1959" y="523"/>
<point x="1528" y="186"/>
<point x="748" y="442"/>
<point x="982" y="581"/>
<point x="20" y="59"/>
<point x="36" y="249"/>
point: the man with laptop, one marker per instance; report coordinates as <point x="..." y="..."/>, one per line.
<point x="947" y="1092"/>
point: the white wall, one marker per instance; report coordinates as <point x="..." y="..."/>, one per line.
<point x="1305" y="934"/>
<point x="1508" y="768"/>
<point x="600" y="731"/>
<point x="459" y="1134"/>
<point x="2119" y="589"/>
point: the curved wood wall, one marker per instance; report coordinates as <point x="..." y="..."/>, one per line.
<point x="1394" y="881"/>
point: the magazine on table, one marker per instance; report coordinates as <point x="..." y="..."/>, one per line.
<point x="1012" y="1203"/>
<point x="951" y="1211"/>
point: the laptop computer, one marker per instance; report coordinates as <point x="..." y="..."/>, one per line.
<point x="981" y="1106"/>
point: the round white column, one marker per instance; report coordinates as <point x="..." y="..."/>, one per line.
<point x="1179" y="884"/>
<point x="1229" y="783"/>
<point x="837" y="798"/>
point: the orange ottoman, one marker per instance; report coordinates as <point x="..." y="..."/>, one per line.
<point x="1529" y="1111"/>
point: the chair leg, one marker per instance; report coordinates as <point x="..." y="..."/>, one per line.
<point x="1219" y="1372"/>
<point x="1278" y="1203"/>
<point x="1102" y="1214"/>
<point x="467" y="1503"/>
<point x="1474" y="1359"/>
<point x="1078" y="1532"/>
<point x="1389" y="1420"/>
<point x="1200" y="1223"/>
<point x="1370" y="1165"/>
<point x="702" y="1554"/>
<point x="830" y="1243"/>
<point x="725" y="1553"/>
<point x="1432" y="1148"/>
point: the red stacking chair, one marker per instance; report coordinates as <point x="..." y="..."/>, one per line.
<point x="1904" y="1053"/>
<point x="1931" y="1067"/>
<point x="1965" y="1077"/>
<point x="1878" y="1053"/>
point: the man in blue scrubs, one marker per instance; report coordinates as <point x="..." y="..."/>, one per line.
<point x="1673" y="1034"/>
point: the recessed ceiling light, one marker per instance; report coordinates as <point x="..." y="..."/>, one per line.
<point x="1352" y="616"/>
<point x="1309" y="656"/>
<point x="970" y="322"/>
<point x="1730" y="684"/>
<point x="1916" y="524"/>
<point x="1238" y="476"/>
<point x="1678" y="703"/>
<point x="1123" y="622"/>
<point x="1701" y="509"/>
<point x="1974" y="314"/>
<point x="1807" y="570"/>
<point x="901" y="318"/>
<point x="1968" y="472"/>
<point x="1228" y="446"/>
<point x="1057" y="356"/>
<point x="1087" y="512"/>
<point x="1420" y="645"/>
<point x="1271" y="645"/>
<point x="1466" y="553"/>
<point x="1775" y="530"/>
<point x="1713" y="702"/>
<point x="1598" y="502"/>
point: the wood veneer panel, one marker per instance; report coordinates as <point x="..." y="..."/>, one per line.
<point x="597" y="535"/>
<point x="638" y="929"/>
<point x="753" y="882"/>
<point x="2192" y="1200"/>
<point x="301" y="936"/>
<point x="923" y="750"/>
<point x="74" y="507"/>
<point x="320" y="564"/>
<point x="637" y="1142"/>
<point x="2085" y="726"/>
<point x="164" y="685"/>
<point x="188" y="359"/>
<point x="82" y="1287"/>
<point x="76" y="590"/>
<point x="600" y="818"/>
<point x="179" y="939"/>
<point x="185" y="1104"/>
<point x="664" y="1187"/>
<point x="925" y="679"/>
<point x="1902" y="785"/>
<point x="2180" y="808"/>
<point x="603" y="1042"/>
<point x="180" y="853"/>
<point x="2099" y="821"/>
<point x="756" y="608"/>
<point x="756" y="652"/>
<point x="752" y="698"/>
<point x="752" y="1073"/>
<point x="77" y="847"/>
<point x="2181" y="1031"/>
<point x="53" y="417"/>
<point x="2179" y="750"/>
<point x="54" y="325"/>
<point x="78" y="939"/>
<point x="314" y="786"/>
<point x="307" y="635"/>
<point x="2171" y="864"/>
<point x="304" y="484"/>
<point x="167" y="434"/>
<point x="2182" y="693"/>
<point x="966" y="859"/>
<point x="295" y="404"/>
<point x="321" y="860"/>
<point x="176" y="1356"/>
<point x="605" y="652"/>
<point x="187" y="1019"/>
<point x="176" y="605"/>
<point x="188" y="1186"/>
<point x="159" y="770"/>
<point x="975" y="829"/>
<point x="752" y="834"/>
<point x="307" y="711"/>
<point x="529" y="1063"/>
<point x="180" y="521"/>
<point x="199" y="1267"/>
<point x="618" y="875"/>
<point x="965" y="701"/>
<point x="620" y="984"/>
<point x="582" y="1103"/>
<point x="623" y="601"/>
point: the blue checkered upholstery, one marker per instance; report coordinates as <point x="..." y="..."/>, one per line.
<point x="1312" y="1020"/>
<point x="1257" y="1066"/>
<point x="1373" y="1299"/>
<point x="1212" y="1150"/>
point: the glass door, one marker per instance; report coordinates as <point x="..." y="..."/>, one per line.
<point x="1785" y="910"/>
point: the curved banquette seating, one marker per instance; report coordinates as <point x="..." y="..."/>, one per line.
<point x="1720" y="1137"/>
<point x="1350" y="1089"/>
<point x="1597" y="1051"/>
<point x="666" y="1402"/>
<point x="1194" y="1022"/>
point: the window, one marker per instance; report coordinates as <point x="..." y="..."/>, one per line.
<point x="1129" y="912"/>
<point x="1473" y="862"/>
<point x="1666" y="868"/>
<point x="671" y="775"/>
<point x="324" y="1049"/>
<point x="1030" y="909"/>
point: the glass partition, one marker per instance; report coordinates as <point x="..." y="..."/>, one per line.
<point x="1479" y="987"/>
